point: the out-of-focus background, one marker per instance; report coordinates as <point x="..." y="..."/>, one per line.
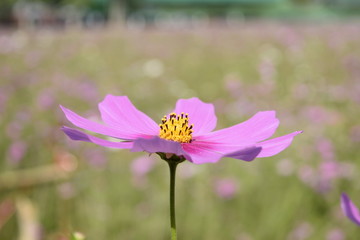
<point x="298" y="57"/>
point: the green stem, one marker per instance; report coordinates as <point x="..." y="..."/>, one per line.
<point x="172" y="167"/>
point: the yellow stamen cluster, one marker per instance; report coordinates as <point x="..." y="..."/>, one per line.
<point x="176" y="128"/>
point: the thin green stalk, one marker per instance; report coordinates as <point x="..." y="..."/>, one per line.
<point x="172" y="167"/>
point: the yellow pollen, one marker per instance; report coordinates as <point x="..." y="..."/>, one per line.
<point x="176" y="128"/>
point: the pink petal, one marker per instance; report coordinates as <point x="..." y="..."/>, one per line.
<point x="199" y="155"/>
<point x="349" y="209"/>
<point x="80" y="136"/>
<point x="86" y="124"/>
<point x="156" y="144"/>
<point x="196" y="152"/>
<point x="201" y="114"/>
<point x="202" y="152"/>
<point x="118" y="112"/>
<point x="247" y="154"/>
<point x="276" y="145"/>
<point x="260" y="127"/>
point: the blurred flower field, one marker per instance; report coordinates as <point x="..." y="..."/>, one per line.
<point x="51" y="186"/>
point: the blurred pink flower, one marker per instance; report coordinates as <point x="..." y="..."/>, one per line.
<point x="233" y="85"/>
<point x="45" y="99"/>
<point x="188" y="171"/>
<point x="301" y="232"/>
<point x="307" y="174"/>
<point x="86" y="90"/>
<point x="335" y="234"/>
<point x="239" y="108"/>
<point x="142" y="165"/>
<point x="300" y="91"/>
<point x="95" y="157"/>
<point x="17" y="151"/>
<point x="329" y="170"/>
<point x="321" y="115"/>
<point x="291" y="39"/>
<point x="226" y="188"/>
<point x="322" y="178"/>
<point x="326" y="149"/>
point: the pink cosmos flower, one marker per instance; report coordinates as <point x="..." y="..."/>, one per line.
<point x="187" y="132"/>
<point x="349" y="209"/>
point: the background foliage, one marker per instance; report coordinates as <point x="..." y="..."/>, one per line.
<point x="51" y="186"/>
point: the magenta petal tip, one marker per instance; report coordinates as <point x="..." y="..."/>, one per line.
<point x="349" y="209"/>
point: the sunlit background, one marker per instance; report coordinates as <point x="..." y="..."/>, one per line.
<point x="298" y="57"/>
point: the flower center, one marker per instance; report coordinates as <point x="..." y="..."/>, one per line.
<point x="176" y="128"/>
